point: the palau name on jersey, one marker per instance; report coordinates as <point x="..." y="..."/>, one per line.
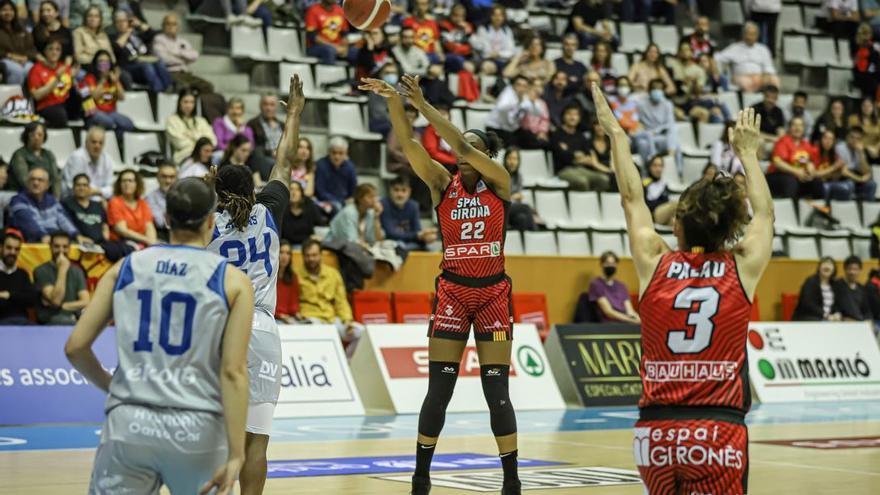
<point x="168" y="267"/>
<point x="684" y="271"/>
<point x="468" y="208"/>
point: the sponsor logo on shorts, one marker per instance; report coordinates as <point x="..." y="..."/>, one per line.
<point x="684" y="447"/>
<point x="268" y="371"/>
<point x="690" y="371"/>
<point x="412" y="362"/>
<point x="533" y="479"/>
<point x="474" y="250"/>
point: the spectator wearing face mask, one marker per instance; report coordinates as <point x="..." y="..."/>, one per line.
<point x="377" y="106"/>
<point x="610" y="295"/>
<point x="657" y="115"/>
<point x="798" y="108"/>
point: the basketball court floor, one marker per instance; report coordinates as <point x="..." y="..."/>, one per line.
<point x="795" y="449"/>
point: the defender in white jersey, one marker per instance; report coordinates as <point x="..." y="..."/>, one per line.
<point x="247" y="233"/>
<point x="177" y="399"/>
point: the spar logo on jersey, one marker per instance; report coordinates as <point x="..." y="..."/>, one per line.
<point x="474" y="250"/>
<point x="685" y="446"/>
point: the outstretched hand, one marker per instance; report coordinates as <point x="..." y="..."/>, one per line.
<point x="409" y="88"/>
<point x="745" y="137"/>
<point x="296" y="100"/>
<point x="377" y="86"/>
<point x="603" y="111"/>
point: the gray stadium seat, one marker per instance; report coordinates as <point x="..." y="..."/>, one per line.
<point x="573" y="243"/>
<point x="513" y="243"/>
<point x="802" y="247"/>
<point x="633" y="37"/>
<point x="790" y="18"/>
<point x="476" y="119"/>
<point x="835" y="245"/>
<point x="620" y="63"/>
<point x="666" y="37"/>
<point x="671" y="175"/>
<point x="861" y="246"/>
<point x="137" y="143"/>
<point x="692" y="169"/>
<point x="606" y="241"/>
<point x="166" y="104"/>
<point x="533" y="164"/>
<point x="7" y="91"/>
<point x="248" y="43"/>
<point x="10" y="140"/>
<point x="870" y="213"/>
<point x="687" y="140"/>
<point x="583" y="208"/>
<point x="612" y="211"/>
<point x="285" y="44"/>
<point x="731" y="13"/>
<point x="751" y="99"/>
<point x="824" y="51"/>
<point x="347" y="119"/>
<point x="844" y="58"/>
<point x="136" y="106"/>
<point x="286" y="71"/>
<point x="795" y="49"/>
<point x="61" y="143"/>
<point x="840" y="82"/>
<point x="785" y="215"/>
<point x="731" y="100"/>
<point x="847" y="212"/>
<point x="708" y="133"/>
<point x="550" y="206"/>
<point x="456" y="115"/>
<point x="540" y="243"/>
<point x="325" y="74"/>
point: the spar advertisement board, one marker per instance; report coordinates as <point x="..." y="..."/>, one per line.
<point x="807" y="361"/>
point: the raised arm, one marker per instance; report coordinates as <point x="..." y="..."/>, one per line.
<point x="753" y="252"/>
<point x="645" y="244"/>
<point x="432" y="173"/>
<point x="493" y="173"/>
<point x="286" y="151"/>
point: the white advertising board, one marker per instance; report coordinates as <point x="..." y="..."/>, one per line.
<point x="391" y="370"/>
<point x="315" y="378"/>
<point x="806" y="361"/>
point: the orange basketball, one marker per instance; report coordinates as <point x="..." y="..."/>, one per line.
<point x="366" y="14"/>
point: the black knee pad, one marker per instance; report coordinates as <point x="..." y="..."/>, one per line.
<point x="441" y="383"/>
<point x="495" y="379"/>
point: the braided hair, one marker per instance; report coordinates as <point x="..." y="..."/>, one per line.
<point x="234" y="185"/>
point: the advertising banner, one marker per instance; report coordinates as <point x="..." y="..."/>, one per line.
<point x="597" y="364"/>
<point x="391" y="369"/>
<point x="39" y="385"/>
<point x="821" y="361"/>
<point x="315" y="379"/>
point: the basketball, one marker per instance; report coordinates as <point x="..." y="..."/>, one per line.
<point x="366" y="14"/>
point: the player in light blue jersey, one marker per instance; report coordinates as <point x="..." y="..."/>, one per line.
<point x="247" y="233"/>
<point x="177" y="401"/>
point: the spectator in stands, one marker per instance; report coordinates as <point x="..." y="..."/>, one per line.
<point x="232" y="124"/>
<point x="335" y="176"/>
<point x="520" y="216"/>
<point x="513" y="102"/>
<point x="657" y="115"/>
<point x="326" y="28"/>
<point x="829" y="168"/>
<point x="178" y="55"/>
<point x="792" y="170"/>
<point x="798" y="108"/>
<point x="128" y="214"/>
<point x="103" y="84"/>
<point x="534" y="132"/>
<point x="17" y="293"/>
<point x="287" y="288"/>
<point x="494" y="42"/>
<point x="557" y="97"/>
<point x="322" y="296"/>
<point x="871" y="11"/>
<point x="856" y="168"/>
<point x="427" y="31"/>
<point x="373" y="55"/>
<point x="166" y="175"/>
<point x="303" y="170"/>
<point x="377" y="107"/>
<point x="843" y="17"/>
<point x="90" y="37"/>
<point x="133" y="54"/>
<point x="399" y="218"/>
<point x="185" y="128"/>
<point x="33" y="155"/>
<point x="199" y="161"/>
<point x="62" y="285"/>
<point x="866" y="61"/>
<point x="721" y="153"/>
<point x="601" y="64"/>
<point x="80" y="10"/>
<point x="16" y="45"/>
<point x="249" y="12"/>
<point x="239" y="152"/>
<point x="685" y="70"/>
<point x="435" y="87"/>
<point x="715" y="81"/>
<point x="855" y="302"/>
<point x="572" y="158"/>
<point x="625" y="109"/>
<point x="699" y="39"/>
<point x="50" y="82"/>
<point x="37" y="213"/>
<point x="765" y="13"/>
<point x="360" y="220"/>
<point x="50" y="22"/>
<point x="567" y="64"/>
<point x="649" y="68"/>
<point x="772" y="118"/>
<point x="641" y="10"/>
<point x="531" y="62"/>
<point x="820" y="298"/>
<point x="700" y="107"/>
<point x="590" y="21"/>
<point x="455" y="34"/>
<point x="267" y="130"/>
<point x="411" y="58"/>
<point x="610" y="295"/>
<point x="92" y="160"/>
<point x="834" y="118"/>
<point x="657" y="193"/>
<point x="301" y="217"/>
<point x="868" y="118"/>
<point x="86" y="212"/>
<point x="751" y="61"/>
<point x="435" y="145"/>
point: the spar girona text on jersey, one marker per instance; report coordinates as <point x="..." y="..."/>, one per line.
<point x="695" y="316"/>
<point x="472" y="227"/>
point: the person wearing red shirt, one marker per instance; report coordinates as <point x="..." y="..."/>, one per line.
<point x="792" y="170"/>
<point x="326" y="28"/>
<point x="128" y="214"/>
<point x="103" y="85"/>
<point x="436" y="146"/>
<point x="50" y="81"/>
<point x="427" y="31"/>
<point x="287" y="289"/>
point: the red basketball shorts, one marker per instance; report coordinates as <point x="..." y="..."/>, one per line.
<point x="692" y="457"/>
<point x="488" y="308"/>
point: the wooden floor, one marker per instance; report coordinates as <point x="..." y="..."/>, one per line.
<point x="778" y="470"/>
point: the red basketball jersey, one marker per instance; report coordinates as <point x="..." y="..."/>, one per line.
<point x="472" y="227"/>
<point x="695" y="316"/>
